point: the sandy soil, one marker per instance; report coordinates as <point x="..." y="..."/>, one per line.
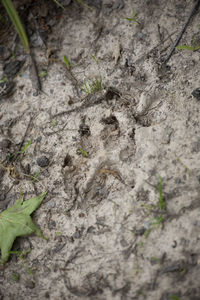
<point x="102" y="156"/>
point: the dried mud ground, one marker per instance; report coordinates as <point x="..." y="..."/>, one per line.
<point x="108" y="237"/>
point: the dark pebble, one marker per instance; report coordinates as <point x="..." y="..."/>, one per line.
<point x="195" y="147"/>
<point x="2" y="196"/>
<point x="196" y="93"/>
<point x="5" y="53"/>
<point x="27" y="169"/>
<point x="12" y="68"/>
<point x="43" y="161"/>
<point x="5" y="144"/>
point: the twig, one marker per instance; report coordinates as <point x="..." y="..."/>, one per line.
<point x="22" y="141"/>
<point x="183" y="30"/>
<point x="85" y="105"/>
<point x="33" y="69"/>
<point x="34" y="76"/>
<point x="160" y="43"/>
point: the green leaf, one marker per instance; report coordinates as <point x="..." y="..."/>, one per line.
<point x="17" y="23"/>
<point x="16" y="221"/>
<point x="66" y="62"/>
<point x="83" y="152"/>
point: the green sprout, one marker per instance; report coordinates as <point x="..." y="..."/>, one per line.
<point x="95" y="86"/>
<point x="25" y="147"/>
<point x="158" y="220"/>
<point x="187" y="47"/>
<point x="22" y="256"/>
<point x="35" y="175"/>
<point x="147" y="232"/>
<point x="174" y="297"/>
<point x="13" y="55"/>
<point x="82" y="152"/>
<point x="155" y="260"/>
<point x="133" y="18"/>
<point x="160" y="191"/>
<point x="15" y="277"/>
<point x="43" y="74"/>
<point x="95" y="59"/>
<point x="53" y="123"/>
<point x="3" y="79"/>
<point x="66" y="61"/>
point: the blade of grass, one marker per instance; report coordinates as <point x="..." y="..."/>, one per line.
<point x="58" y="3"/>
<point x="17" y="23"/>
<point x="84" y="4"/>
<point x="160" y="191"/>
<point x="66" y="62"/>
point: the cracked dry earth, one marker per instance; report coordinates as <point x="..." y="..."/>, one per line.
<point x="100" y="156"/>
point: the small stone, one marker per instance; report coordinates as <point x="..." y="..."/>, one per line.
<point x="5" y="53"/>
<point x="5" y="144"/>
<point x="196" y="93"/>
<point x="43" y="161"/>
<point x="195" y="147"/>
<point x="12" y="68"/>
<point x="3" y="195"/>
<point x="51" y="204"/>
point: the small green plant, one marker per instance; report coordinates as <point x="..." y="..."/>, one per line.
<point x="160" y="191"/>
<point x="147" y="232"/>
<point x="58" y="233"/>
<point x="66" y="61"/>
<point x="25" y="147"/>
<point x="3" y="79"/>
<point x="174" y="297"/>
<point x="13" y="55"/>
<point x="133" y="18"/>
<point x="43" y="74"/>
<point x="15" y="277"/>
<point x="155" y="260"/>
<point x="53" y="123"/>
<point x="35" y="175"/>
<point x="158" y="220"/>
<point x="158" y="208"/>
<point x="82" y="152"/>
<point x="22" y="258"/>
<point x="95" y="59"/>
<point x="95" y="86"/>
<point x="187" y="47"/>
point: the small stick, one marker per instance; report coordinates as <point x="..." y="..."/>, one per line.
<point x="34" y="76"/>
<point x="183" y="30"/>
<point x="22" y="141"/>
